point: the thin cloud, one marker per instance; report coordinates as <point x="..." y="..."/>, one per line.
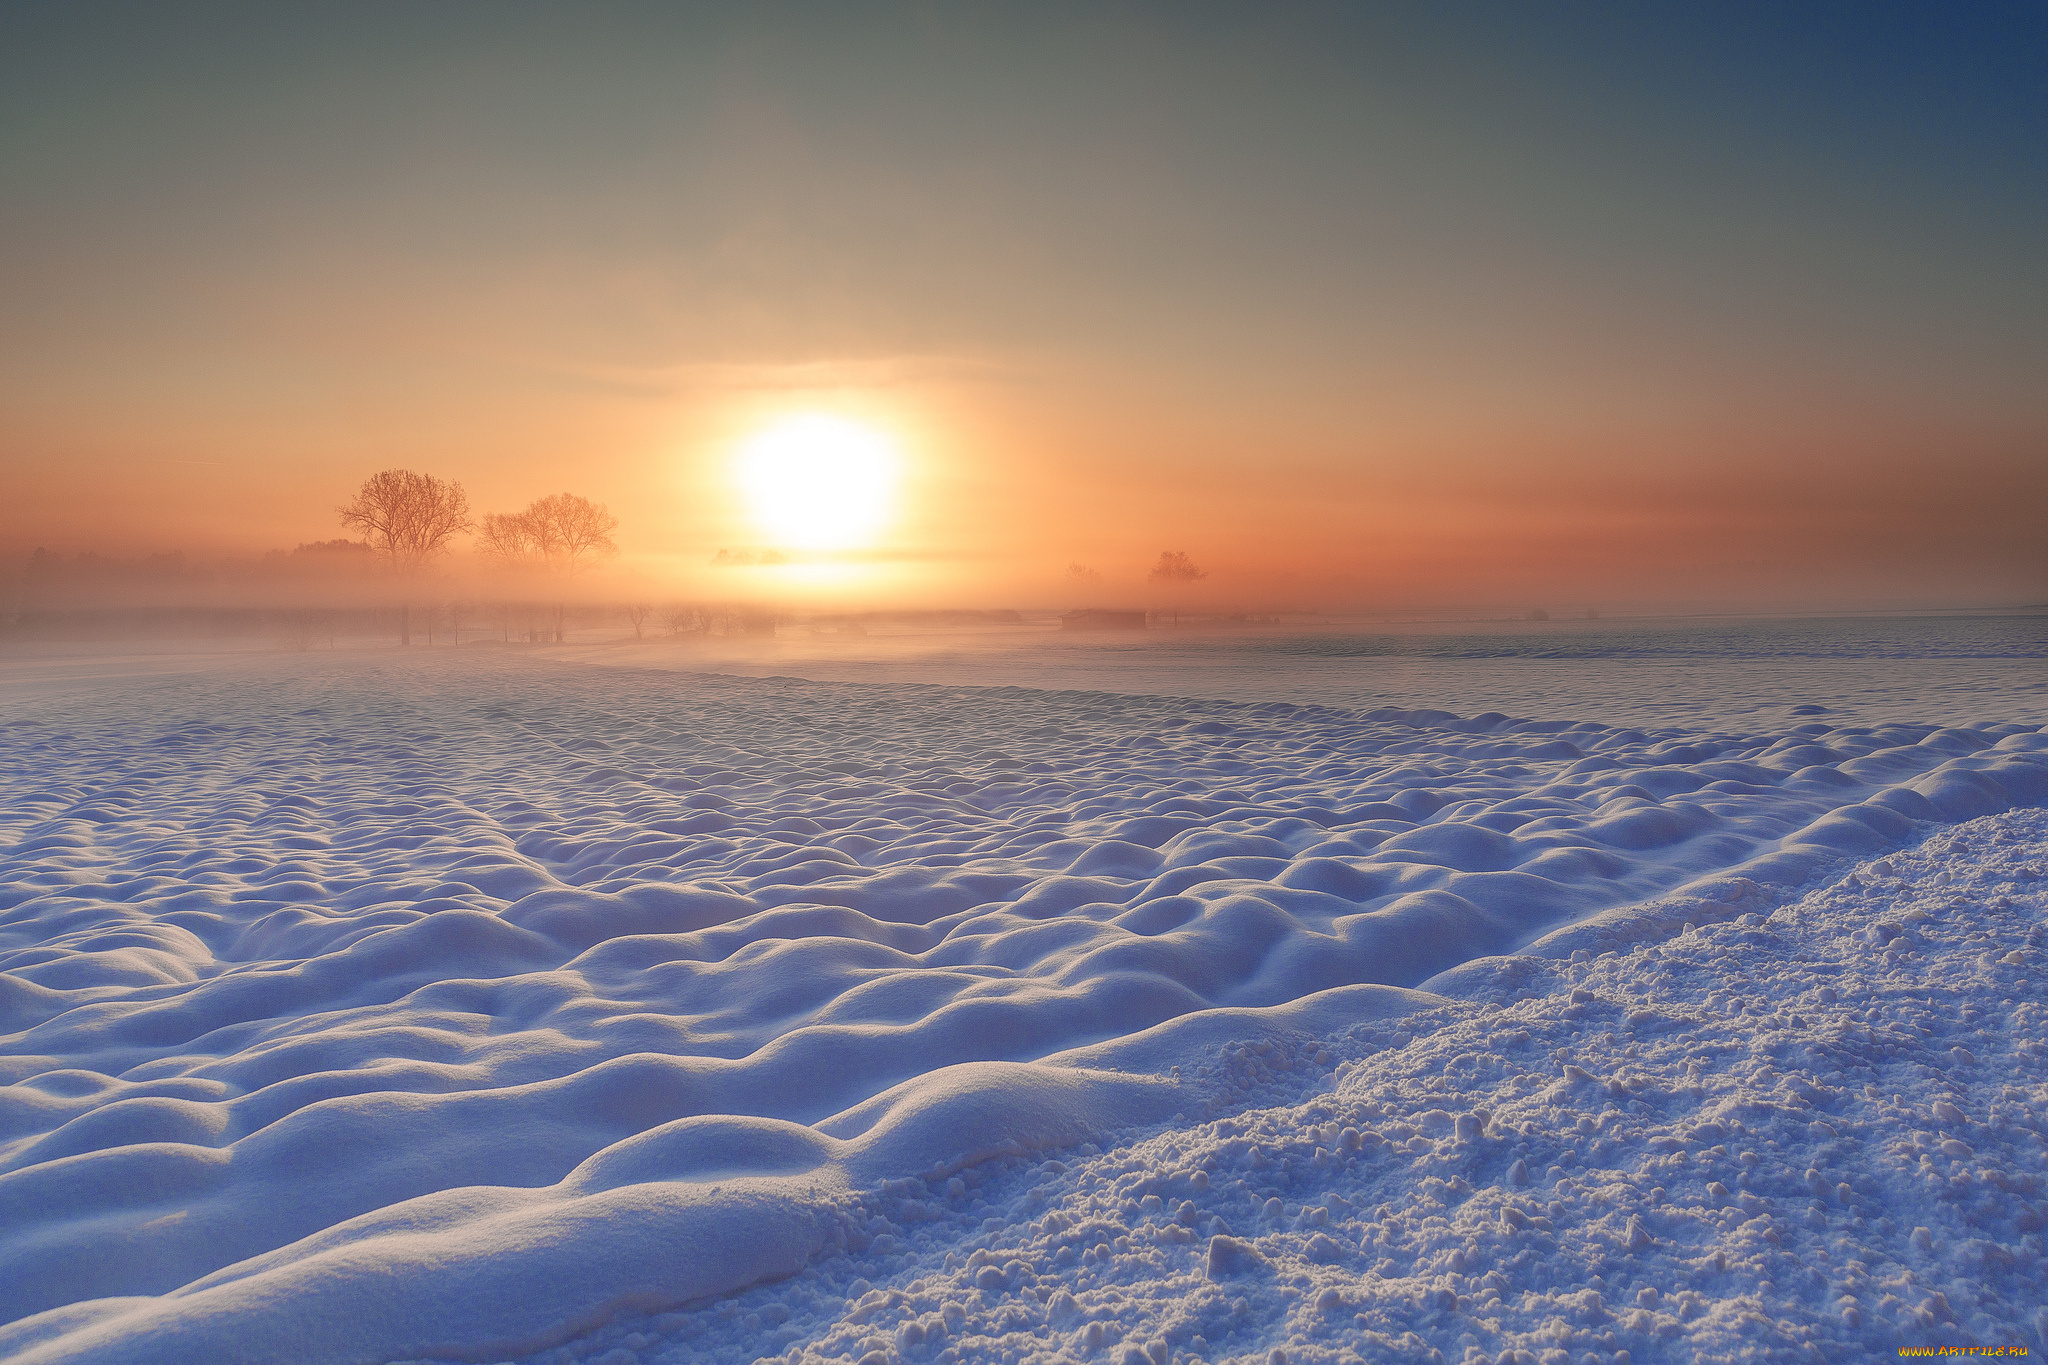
<point x="867" y="373"/>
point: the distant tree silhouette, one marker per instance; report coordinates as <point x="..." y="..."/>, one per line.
<point x="344" y="549"/>
<point x="559" y="534"/>
<point x="1174" y="566"/>
<point x="1175" y="570"/>
<point x="409" y="519"/>
<point x="636" y="612"/>
<point x="1080" y="575"/>
<point x="504" y="535"/>
<point x="507" y="538"/>
<point x="305" y="625"/>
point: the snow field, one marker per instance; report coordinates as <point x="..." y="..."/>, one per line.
<point x="1696" y="673"/>
<point x="1819" y="1134"/>
<point x="357" y="1008"/>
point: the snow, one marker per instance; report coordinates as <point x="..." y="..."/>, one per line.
<point x="1695" y="673"/>
<point x="463" y="1005"/>
<point x="1806" y="1126"/>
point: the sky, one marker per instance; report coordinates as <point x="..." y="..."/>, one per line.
<point x="1375" y="306"/>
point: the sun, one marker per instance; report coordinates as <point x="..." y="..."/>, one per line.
<point x="814" y="482"/>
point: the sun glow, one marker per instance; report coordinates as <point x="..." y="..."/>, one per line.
<point x="819" y="483"/>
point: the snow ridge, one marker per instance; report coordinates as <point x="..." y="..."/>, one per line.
<point x="1816" y="1134"/>
<point x="465" y="979"/>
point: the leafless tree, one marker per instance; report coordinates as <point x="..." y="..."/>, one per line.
<point x="506" y="536"/>
<point x="302" y="627"/>
<point x="1174" y="566"/>
<point x="636" y="612"/>
<point x="447" y="616"/>
<point x="561" y="533"/>
<point x="409" y="519"/>
<point x="1176" y="570"/>
<point x="521" y="620"/>
<point x="681" y="616"/>
<point x="1084" y="584"/>
<point x="558" y="534"/>
<point x="573" y="530"/>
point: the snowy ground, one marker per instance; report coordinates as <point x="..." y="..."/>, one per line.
<point x="457" y="1005"/>
<point x="1711" y="673"/>
<point x="1813" y="1134"/>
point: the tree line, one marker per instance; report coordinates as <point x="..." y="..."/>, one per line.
<point x="407" y="522"/>
<point x="410" y="519"/>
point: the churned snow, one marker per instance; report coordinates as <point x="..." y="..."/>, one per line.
<point x="465" y="1006"/>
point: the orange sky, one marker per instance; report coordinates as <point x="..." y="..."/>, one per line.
<point x="1415" y="315"/>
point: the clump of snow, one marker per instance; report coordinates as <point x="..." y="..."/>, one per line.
<point x="457" y="1007"/>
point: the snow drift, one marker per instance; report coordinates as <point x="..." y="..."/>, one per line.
<point x="365" y="1009"/>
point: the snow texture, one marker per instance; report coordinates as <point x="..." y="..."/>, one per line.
<point x="460" y="1007"/>
<point x="1813" y="1133"/>
<point x="1694" y="673"/>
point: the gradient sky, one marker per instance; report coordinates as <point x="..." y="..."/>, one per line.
<point x="1377" y="305"/>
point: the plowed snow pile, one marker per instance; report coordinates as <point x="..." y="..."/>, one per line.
<point x="459" y="1006"/>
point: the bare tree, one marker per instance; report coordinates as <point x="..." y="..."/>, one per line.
<point x="506" y="536"/>
<point x="409" y="519"/>
<point x="448" y="617"/>
<point x="681" y="616"/>
<point x="302" y="627"/>
<point x="559" y="535"/>
<point x="1174" y="566"/>
<point x="636" y="612"/>
<point x="1176" y="570"/>
<point x="1081" y="576"/>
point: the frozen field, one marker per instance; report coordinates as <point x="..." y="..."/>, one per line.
<point x="1747" y="672"/>
<point x="467" y="1004"/>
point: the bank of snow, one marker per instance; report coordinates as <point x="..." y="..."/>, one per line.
<point x="361" y="1008"/>
<point x="1815" y="1133"/>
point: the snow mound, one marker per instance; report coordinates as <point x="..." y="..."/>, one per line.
<point x="1818" y="1133"/>
<point x="335" y="993"/>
